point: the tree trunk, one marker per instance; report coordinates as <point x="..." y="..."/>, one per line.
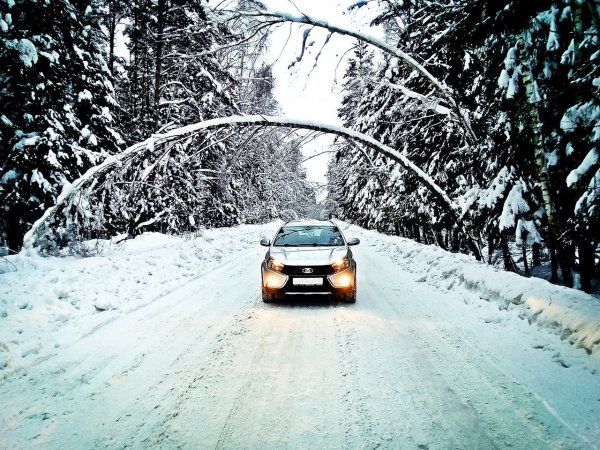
<point x="426" y="239"/>
<point x="540" y="163"/>
<point x="524" y="253"/>
<point x="553" y="264"/>
<point x="586" y="266"/>
<point x="159" y="59"/>
<point x="508" y="262"/>
<point x="416" y="233"/>
<point x="490" y="247"/>
<point x="133" y="62"/>
<point x="112" y="27"/>
<point x="587" y="263"/>
<point x="440" y="240"/>
<point x="455" y="240"/>
<point x="578" y="31"/>
<point x="535" y="255"/>
<point x="14" y="230"/>
<point x="565" y="261"/>
<point x="472" y="244"/>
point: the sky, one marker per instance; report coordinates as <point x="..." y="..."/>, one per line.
<point x="311" y="93"/>
<point x="307" y="90"/>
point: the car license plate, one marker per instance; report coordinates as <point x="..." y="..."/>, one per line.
<point x="307" y="281"/>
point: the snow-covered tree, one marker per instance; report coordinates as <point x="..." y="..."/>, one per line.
<point x="522" y="77"/>
<point x="182" y="70"/>
<point x="56" y="106"/>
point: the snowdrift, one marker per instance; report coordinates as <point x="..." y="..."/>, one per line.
<point x="573" y="314"/>
<point x="45" y="303"/>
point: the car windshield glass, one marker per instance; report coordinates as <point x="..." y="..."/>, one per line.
<point x="298" y="236"/>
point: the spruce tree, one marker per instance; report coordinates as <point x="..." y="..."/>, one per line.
<point x="57" y="106"/>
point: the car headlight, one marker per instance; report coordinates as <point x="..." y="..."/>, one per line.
<point x="274" y="280"/>
<point x="341" y="264"/>
<point x="275" y="265"/>
<point x="343" y="279"/>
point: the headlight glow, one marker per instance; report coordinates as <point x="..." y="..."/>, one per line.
<point x="343" y="279"/>
<point x="275" y="280"/>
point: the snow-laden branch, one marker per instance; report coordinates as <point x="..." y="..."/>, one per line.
<point x="444" y="90"/>
<point x="432" y="104"/>
<point x="365" y="37"/>
<point x="88" y="180"/>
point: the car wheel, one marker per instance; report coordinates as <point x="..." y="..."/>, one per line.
<point x="349" y="297"/>
<point x="266" y="297"/>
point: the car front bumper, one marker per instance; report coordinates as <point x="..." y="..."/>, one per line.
<point x="337" y="283"/>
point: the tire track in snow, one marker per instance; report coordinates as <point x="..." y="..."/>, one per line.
<point x="238" y="412"/>
<point x="166" y="293"/>
<point x="194" y="368"/>
<point x="354" y="397"/>
<point x="459" y="397"/>
<point x="201" y="378"/>
<point x="85" y="379"/>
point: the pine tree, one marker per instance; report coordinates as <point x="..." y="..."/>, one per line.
<point x="57" y="103"/>
<point x="524" y="74"/>
<point x="176" y="76"/>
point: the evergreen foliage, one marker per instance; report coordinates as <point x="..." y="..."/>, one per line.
<point x="526" y="74"/>
<point x="60" y="115"/>
<point x="176" y="76"/>
<point x="56" y="104"/>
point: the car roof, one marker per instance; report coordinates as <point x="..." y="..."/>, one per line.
<point x="310" y="223"/>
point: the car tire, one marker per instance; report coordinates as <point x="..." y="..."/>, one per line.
<point x="266" y="297"/>
<point x="349" y="297"/>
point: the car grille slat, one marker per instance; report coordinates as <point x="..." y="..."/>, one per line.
<point x="317" y="270"/>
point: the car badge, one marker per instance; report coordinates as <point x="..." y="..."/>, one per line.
<point x="307" y="270"/>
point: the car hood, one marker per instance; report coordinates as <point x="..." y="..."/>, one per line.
<point x="308" y="256"/>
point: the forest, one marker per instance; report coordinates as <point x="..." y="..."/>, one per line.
<point x="472" y="125"/>
<point x="69" y="101"/>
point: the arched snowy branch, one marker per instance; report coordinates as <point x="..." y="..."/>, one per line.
<point x="88" y="180"/>
<point x="444" y="91"/>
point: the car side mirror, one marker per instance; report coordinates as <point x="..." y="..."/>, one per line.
<point x="265" y="242"/>
<point x="353" y="241"/>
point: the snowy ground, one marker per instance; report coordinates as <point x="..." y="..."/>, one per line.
<point x="164" y="342"/>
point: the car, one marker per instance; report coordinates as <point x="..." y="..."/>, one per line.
<point x="309" y="258"/>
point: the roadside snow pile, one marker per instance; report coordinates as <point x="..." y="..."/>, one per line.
<point x="47" y="302"/>
<point x="573" y="314"/>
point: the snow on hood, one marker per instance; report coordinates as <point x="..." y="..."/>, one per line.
<point x="304" y="256"/>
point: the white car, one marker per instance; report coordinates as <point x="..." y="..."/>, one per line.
<point x="309" y="258"/>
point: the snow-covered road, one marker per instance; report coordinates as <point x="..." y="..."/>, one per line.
<point x="208" y="365"/>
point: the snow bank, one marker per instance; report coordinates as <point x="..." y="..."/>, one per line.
<point x="48" y="302"/>
<point x="573" y="314"/>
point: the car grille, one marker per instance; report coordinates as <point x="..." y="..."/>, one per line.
<point x="317" y="270"/>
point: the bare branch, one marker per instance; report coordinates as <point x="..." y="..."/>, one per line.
<point x="324" y="152"/>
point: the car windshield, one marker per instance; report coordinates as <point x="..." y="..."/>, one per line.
<point x="298" y="236"/>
